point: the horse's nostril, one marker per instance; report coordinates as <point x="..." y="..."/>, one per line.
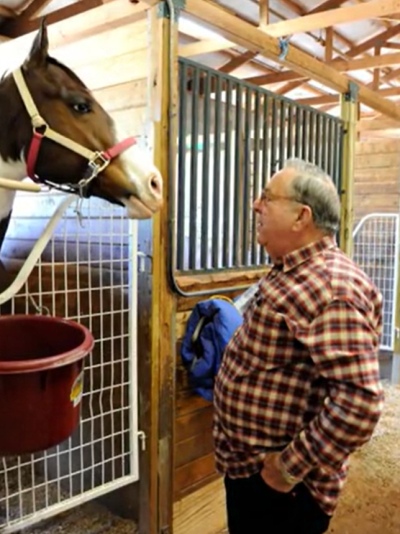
<point x="155" y="184"/>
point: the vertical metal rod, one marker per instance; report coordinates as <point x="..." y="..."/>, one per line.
<point x="246" y="177"/>
<point x="216" y="224"/>
<point x="304" y="135"/>
<point x="183" y="78"/>
<point x="194" y="201"/>
<point x="317" y="139"/>
<point x="274" y="160"/>
<point x="238" y="178"/>
<point x="289" y="136"/>
<point x="256" y="173"/>
<point x="324" y="158"/>
<point x="226" y="242"/>
<point x="331" y="147"/>
<point x="298" y="132"/>
<point x="206" y="178"/>
<point x="282" y="133"/>
<point x="311" y="137"/>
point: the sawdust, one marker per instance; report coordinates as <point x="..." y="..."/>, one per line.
<point x="90" y="518"/>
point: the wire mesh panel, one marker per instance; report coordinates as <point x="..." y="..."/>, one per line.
<point x="376" y="250"/>
<point x="232" y="137"/>
<point x="87" y="273"/>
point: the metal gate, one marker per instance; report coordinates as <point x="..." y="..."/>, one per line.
<point x="232" y="137"/>
<point x="376" y="250"/>
<point x="87" y="273"/>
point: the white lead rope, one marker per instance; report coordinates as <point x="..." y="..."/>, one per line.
<point x="16" y="185"/>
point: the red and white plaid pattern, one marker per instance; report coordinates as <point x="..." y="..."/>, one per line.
<point x="301" y="374"/>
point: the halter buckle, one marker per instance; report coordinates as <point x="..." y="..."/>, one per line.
<point x="98" y="163"/>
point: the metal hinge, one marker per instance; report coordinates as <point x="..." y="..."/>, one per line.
<point x="142" y="437"/>
<point x="164" y="9"/>
<point x="397" y="332"/>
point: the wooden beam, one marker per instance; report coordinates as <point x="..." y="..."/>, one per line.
<point x="353" y="52"/>
<point x="264" y="13"/>
<point x="97" y="20"/>
<point x="333" y="17"/>
<point x="237" y="62"/>
<point x="341" y="65"/>
<point x="394" y="46"/>
<point x="329" y="44"/>
<point x="16" y="29"/>
<point x="34" y="9"/>
<point x="334" y="99"/>
<point x="244" y="34"/>
<point x="204" y="47"/>
<point x="368" y="125"/>
<point x="377" y="72"/>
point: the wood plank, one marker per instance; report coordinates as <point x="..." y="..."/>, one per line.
<point x="377" y="160"/>
<point x="202" y="511"/>
<point x="204" y="47"/>
<point x="123" y="96"/>
<point x="244" y="34"/>
<point x="194" y="423"/>
<point x="188" y="402"/>
<point x="121" y="69"/>
<point x="333" y="17"/>
<point x="181" y="320"/>
<point x="376" y="147"/>
<point x="193" y="448"/>
<point x="390" y="188"/>
<point x="194" y="472"/>
<point x="98" y="20"/>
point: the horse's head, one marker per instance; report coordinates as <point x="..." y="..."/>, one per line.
<point x="86" y="156"/>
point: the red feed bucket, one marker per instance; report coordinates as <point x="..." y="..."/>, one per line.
<point x="41" y="381"/>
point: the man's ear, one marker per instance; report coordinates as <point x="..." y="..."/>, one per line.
<point x="304" y="217"/>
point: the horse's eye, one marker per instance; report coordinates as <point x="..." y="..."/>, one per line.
<point x="82" y="107"/>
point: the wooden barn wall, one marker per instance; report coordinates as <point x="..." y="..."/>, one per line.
<point x="193" y="445"/>
<point x="114" y="64"/>
<point x="377" y="177"/>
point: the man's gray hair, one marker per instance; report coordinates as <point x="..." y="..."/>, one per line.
<point x="315" y="188"/>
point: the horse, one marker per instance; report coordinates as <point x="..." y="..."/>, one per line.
<point x="54" y="131"/>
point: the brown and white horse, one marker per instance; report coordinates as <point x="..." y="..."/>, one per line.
<point x="53" y="130"/>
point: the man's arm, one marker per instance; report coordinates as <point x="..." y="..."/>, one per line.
<point x="344" y="346"/>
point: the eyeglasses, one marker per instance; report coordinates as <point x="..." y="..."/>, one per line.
<point x="267" y="196"/>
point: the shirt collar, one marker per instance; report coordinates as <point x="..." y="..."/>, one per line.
<point x="301" y="255"/>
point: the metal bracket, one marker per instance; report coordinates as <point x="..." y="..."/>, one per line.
<point x="142" y="437"/>
<point x="352" y="93"/>
<point x="164" y="9"/>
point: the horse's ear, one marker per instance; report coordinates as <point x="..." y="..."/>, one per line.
<point x="39" y="51"/>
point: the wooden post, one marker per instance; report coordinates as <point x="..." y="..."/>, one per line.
<point x="349" y="112"/>
<point x="164" y="66"/>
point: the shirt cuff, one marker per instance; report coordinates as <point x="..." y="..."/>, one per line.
<point x="295" y="463"/>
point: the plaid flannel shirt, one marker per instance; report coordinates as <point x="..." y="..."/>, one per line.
<point x="301" y="374"/>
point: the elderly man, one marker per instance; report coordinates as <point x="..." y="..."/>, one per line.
<point x="298" y="389"/>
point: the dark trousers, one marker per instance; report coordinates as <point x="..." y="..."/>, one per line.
<point x="255" y="508"/>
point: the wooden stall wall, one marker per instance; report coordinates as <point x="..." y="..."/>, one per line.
<point x="199" y="501"/>
<point x="114" y="64"/>
<point x="377" y="177"/>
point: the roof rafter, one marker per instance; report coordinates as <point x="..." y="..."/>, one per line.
<point x="331" y="17"/>
<point x="251" y="38"/>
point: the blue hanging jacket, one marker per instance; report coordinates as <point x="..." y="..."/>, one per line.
<point x="210" y="326"/>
